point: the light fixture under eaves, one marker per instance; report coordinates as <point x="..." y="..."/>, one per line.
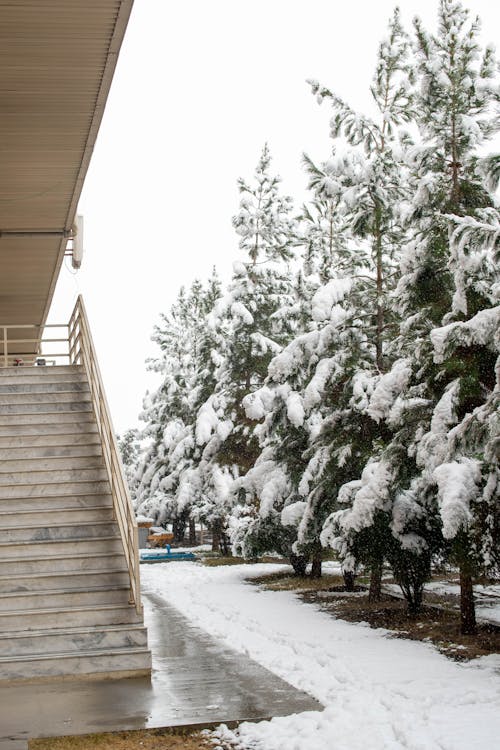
<point x="77" y="252"/>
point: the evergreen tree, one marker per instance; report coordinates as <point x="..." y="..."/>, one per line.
<point x="434" y="482"/>
<point x="185" y="363"/>
<point x="371" y="180"/>
<point x="129" y="447"/>
<point x="264" y="221"/>
<point x="314" y="438"/>
<point x="255" y="327"/>
<point x="450" y="281"/>
<point x="369" y="177"/>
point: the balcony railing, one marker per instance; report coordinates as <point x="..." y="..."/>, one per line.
<point x="17" y="346"/>
<point x="77" y="348"/>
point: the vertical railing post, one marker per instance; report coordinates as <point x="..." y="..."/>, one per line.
<point x="5" y="350"/>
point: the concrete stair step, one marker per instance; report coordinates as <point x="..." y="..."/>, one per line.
<point x="67" y="617"/>
<point x="117" y="661"/>
<point x="62" y="581"/>
<point x="27" y="375"/>
<point x="50" y="440"/>
<point x="72" y="417"/>
<point x="46" y="407"/>
<point x="38" y="563"/>
<point x="19" y="601"/>
<point x="53" y="429"/>
<point x="44" y="450"/>
<point x="46" y="381"/>
<point x="56" y="476"/>
<point x="73" y="546"/>
<point x="28" y="402"/>
<point x="66" y="640"/>
<point x="40" y="371"/>
<point x="51" y="503"/>
<point x="54" y="489"/>
<point x="40" y="397"/>
<point x="45" y="388"/>
<point x="49" y="464"/>
<point x="43" y="517"/>
<point x="63" y="531"/>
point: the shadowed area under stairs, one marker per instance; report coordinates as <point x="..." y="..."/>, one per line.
<point x="195" y="680"/>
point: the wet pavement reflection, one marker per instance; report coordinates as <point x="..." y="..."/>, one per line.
<point x="195" y="680"/>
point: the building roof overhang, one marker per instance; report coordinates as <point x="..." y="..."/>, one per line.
<point x="57" y="59"/>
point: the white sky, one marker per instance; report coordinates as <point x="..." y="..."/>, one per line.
<point x="199" y="87"/>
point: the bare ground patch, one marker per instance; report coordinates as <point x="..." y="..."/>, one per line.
<point x="219" y="560"/>
<point x="287" y="582"/>
<point x="169" y="739"/>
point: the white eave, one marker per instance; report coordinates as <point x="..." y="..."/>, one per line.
<point x="57" y="59"/>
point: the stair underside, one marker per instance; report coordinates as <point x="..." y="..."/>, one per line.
<point x="64" y="587"/>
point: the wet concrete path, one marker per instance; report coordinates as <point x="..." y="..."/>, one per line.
<point x="195" y="680"/>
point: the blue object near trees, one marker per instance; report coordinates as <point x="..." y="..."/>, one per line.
<point x="164" y="555"/>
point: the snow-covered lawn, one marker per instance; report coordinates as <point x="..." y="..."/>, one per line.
<point x="379" y="693"/>
<point x="487" y="597"/>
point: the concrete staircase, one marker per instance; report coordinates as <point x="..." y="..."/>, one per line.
<point x="64" y="584"/>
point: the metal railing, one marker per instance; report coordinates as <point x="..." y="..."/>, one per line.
<point x="11" y="348"/>
<point x="78" y="349"/>
<point x="82" y="352"/>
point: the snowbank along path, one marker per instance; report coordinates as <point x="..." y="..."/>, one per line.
<point x="380" y="693"/>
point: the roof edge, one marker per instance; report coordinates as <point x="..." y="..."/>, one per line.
<point x="122" y="20"/>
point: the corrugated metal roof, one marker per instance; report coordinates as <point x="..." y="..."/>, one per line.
<point x="57" y="58"/>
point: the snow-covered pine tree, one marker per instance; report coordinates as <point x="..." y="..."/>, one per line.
<point x="264" y="221"/>
<point x="369" y="175"/>
<point x="160" y="408"/>
<point x="269" y="520"/>
<point x="170" y="412"/>
<point x="130" y="448"/>
<point x="302" y="394"/>
<point x="370" y="178"/>
<point x="453" y="285"/>
<point x="256" y="328"/>
<point x="313" y="438"/>
<point x="436" y="477"/>
<point x="323" y="230"/>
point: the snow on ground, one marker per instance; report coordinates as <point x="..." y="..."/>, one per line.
<point x="487" y="597"/>
<point x="379" y="693"/>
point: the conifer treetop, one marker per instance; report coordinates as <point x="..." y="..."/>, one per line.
<point x="264" y="221"/>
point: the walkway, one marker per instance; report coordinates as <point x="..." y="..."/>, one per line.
<point x="195" y="681"/>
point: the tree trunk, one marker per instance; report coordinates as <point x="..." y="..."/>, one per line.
<point x="414" y="601"/>
<point x="375" y="592"/>
<point x="411" y="583"/>
<point x="316" y="565"/>
<point x="192" y="532"/>
<point x="379" y="351"/>
<point x="225" y="547"/>
<point x="299" y="564"/>
<point x="179" y="529"/>
<point x="349" y="578"/>
<point x="216" y="532"/>
<point x="467" y="608"/>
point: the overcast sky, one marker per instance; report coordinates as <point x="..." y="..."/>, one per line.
<point x="199" y="88"/>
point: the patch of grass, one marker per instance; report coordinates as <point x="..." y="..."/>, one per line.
<point x="153" y="739"/>
<point x="283" y="581"/>
<point x="213" y="562"/>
